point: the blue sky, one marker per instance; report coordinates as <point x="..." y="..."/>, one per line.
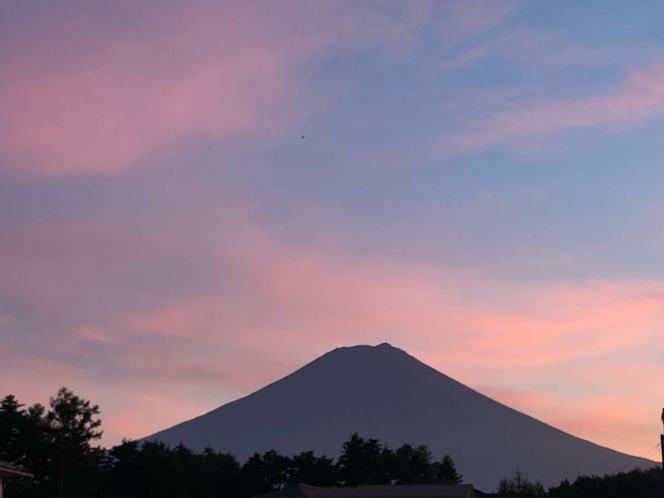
<point x="479" y="183"/>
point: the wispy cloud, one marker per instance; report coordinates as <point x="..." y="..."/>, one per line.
<point x="208" y="71"/>
<point x="288" y="304"/>
<point x="203" y="70"/>
<point x="639" y="98"/>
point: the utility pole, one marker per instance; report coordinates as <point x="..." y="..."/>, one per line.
<point x="62" y="464"/>
<point x="661" y="440"/>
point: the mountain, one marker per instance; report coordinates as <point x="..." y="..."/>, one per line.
<point x="382" y="392"/>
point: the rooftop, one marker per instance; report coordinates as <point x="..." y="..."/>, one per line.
<point x="378" y="491"/>
<point x="10" y="470"/>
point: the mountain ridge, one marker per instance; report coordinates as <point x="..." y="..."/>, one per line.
<point x="385" y="393"/>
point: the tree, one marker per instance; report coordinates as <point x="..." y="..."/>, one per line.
<point x="445" y="471"/>
<point x="364" y="462"/>
<point x="268" y="472"/>
<point x="412" y="465"/>
<point x="222" y="472"/>
<point x="73" y="419"/>
<point x="644" y="483"/>
<point x="13" y="421"/>
<point x="56" y="445"/>
<point x="74" y="424"/>
<point x="310" y="469"/>
<point x="121" y="468"/>
<point x="520" y="487"/>
<point x="26" y="440"/>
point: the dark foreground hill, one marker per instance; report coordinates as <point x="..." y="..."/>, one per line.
<point x="382" y="392"/>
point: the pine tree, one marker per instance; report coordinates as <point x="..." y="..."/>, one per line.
<point x="74" y="426"/>
<point x="445" y="471"/>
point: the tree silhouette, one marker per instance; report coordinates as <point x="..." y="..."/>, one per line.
<point x="520" y="487"/>
<point x="74" y="426"/>
<point x="306" y="468"/>
<point x="13" y="424"/>
<point x="364" y="462"/>
<point x="412" y="465"/>
<point x="647" y="483"/>
<point x="445" y="471"/>
<point x="57" y="446"/>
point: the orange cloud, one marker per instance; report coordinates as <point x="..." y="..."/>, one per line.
<point x="564" y="323"/>
<point x="299" y="306"/>
<point x="624" y="422"/>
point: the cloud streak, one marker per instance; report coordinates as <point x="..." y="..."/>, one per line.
<point x="107" y="100"/>
<point x="639" y="98"/>
<point x="108" y="105"/>
<point x="288" y="305"/>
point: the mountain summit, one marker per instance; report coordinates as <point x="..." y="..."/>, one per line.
<point x="382" y="392"/>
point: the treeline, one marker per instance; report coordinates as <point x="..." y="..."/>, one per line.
<point x="56" y="445"/>
<point x="639" y="483"/>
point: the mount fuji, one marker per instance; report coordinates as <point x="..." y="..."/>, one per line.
<point x="382" y="392"/>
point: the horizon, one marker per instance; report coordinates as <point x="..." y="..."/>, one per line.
<point x="198" y="198"/>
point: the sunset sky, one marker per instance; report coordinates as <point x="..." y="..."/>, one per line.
<point x="480" y="183"/>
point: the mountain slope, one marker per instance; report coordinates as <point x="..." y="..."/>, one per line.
<point x="384" y="393"/>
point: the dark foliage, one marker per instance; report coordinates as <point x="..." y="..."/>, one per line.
<point x="445" y="472"/>
<point x="520" y="487"/>
<point x="53" y="444"/>
<point x="368" y="462"/>
<point x="639" y="483"/>
<point x="412" y="465"/>
<point x="72" y="425"/>
<point x="57" y="446"/>
<point x="154" y="469"/>
<point x="365" y="462"/>
<point x="308" y="468"/>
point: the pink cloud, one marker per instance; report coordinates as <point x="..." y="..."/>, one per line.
<point x="265" y="306"/>
<point x="31" y="377"/>
<point x="299" y="307"/>
<point x="640" y="97"/>
<point x="107" y="104"/>
<point x="132" y="422"/>
<point x="40" y="368"/>
<point x="92" y="96"/>
<point x="565" y="323"/>
<point x="7" y="321"/>
<point x="92" y="334"/>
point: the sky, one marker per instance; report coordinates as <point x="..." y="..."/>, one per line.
<point x="199" y="197"/>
